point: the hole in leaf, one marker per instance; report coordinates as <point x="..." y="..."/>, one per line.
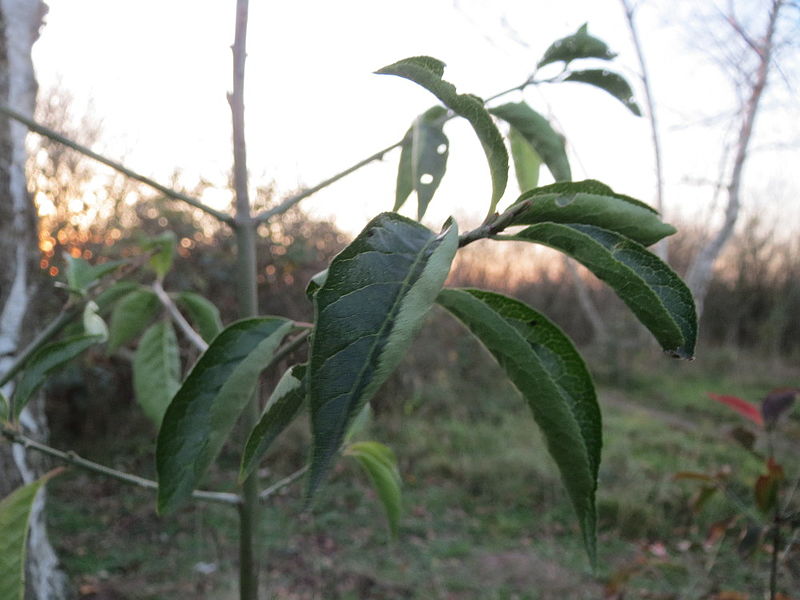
<point x="441" y="148"/>
<point x="426" y="179"/>
<point x="565" y="200"/>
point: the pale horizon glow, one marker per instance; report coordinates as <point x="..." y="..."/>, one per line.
<point x="157" y="73"/>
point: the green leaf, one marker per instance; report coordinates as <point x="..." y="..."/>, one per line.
<point x="552" y="377"/>
<point x="5" y="408"/>
<point x="526" y="161"/>
<point x="115" y="293"/>
<point x="380" y="464"/>
<point x="202" y="313"/>
<point x="80" y="274"/>
<point x="156" y="370"/>
<point x="15" y="510"/>
<point x="655" y="294"/>
<point x="93" y="323"/>
<point x="44" y="362"/>
<point x="316" y="282"/>
<point x="131" y="315"/>
<point x="205" y="408"/>
<point x="163" y="248"/>
<point x="427" y="72"/>
<point x="578" y="45"/>
<point x="374" y="300"/>
<point x="539" y="134"/>
<point x="613" y="83"/>
<point x="283" y="405"/>
<point x="590" y="202"/>
<point x="423" y="159"/>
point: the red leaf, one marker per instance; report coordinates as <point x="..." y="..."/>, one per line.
<point x="743" y="407"/>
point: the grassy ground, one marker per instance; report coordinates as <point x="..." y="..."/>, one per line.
<point x="485" y="514"/>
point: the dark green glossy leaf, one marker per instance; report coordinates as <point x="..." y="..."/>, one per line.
<point x="613" y="83"/>
<point x="80" y="274"/>
<point x="380" y="464"/>
<point x="163" y="248"/>
<point x="578" y="45"/>
<point x="427" y="72"/>
<point x="205" y="408"/>
<point x="527" y="161"/>
<point x="593" y="203"/>
<point x="376" y="295"/>
<point x="315" y="283"/>
<point x="283" y="405"/>
<point x="655" y="294"/>
<point x="552" y="377"/>
<point x="539" y="134"/>
<point x="131" y="315"/>
<point x="202" y="313"/>
<point x="423" y="159"/>
<point x="15" y="510"/>
<point x="156" y="370"/>
<point x="44" y="362"/>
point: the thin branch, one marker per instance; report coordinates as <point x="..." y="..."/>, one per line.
<point x="279" y="485"/>
<point x="289" y="202"/>
<point x="73" y="459"/>
<point x="651" y="116"/>
<point x="49" y="133"/>
<point x="187" y="330"/>
<point x="495" y="226"/>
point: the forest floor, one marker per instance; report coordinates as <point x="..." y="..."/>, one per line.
<point x="485" y="513"/>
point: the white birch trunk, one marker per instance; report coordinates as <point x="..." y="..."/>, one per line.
<point x="20" y="21"/>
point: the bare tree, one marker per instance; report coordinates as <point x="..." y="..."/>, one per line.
<point x="20" y="21"/>
<point x="752" y="70"/>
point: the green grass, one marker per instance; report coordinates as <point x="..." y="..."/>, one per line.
<point x="485" y="514"/>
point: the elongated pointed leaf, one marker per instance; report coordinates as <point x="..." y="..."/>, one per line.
<point x="578" y="45"/>
<point x="205" y="408"/>
<point x="590" y="202"/>
<point x="374" y="299"/>
<point x="80" y="274"/>
<point x="131" y="315"/>
<point x="423" y="159"/>
<point x="613" y="83"/>
<point x="527" y="161"/>
<point x="283" y="405"/>
<point x="15" y="510"/>
<point x="552" y="377"/>
<point x="655" y="294"/>
<point x="380" y="464"/>
<point x="5" y="408"/>
<point x="156" y="370"/>
<point x="427" y="72"/>
<point x="44" y="362"/>
<point x="202" y="313"/>
<point x="540" y="134"/>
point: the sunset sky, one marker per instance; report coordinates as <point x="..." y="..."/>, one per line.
<point x="157" y="71"/>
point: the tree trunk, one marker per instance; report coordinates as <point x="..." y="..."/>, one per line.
<point x="700" y="272"/>
<point x="20" y="21"/>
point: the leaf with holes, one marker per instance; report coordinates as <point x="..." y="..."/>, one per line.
<point x="423" y="159"/>
<point x="380" y="464"/>
<point x="653" y="292"/>
<point x="527" y="161"/>
<point x="156" y="370"/>
<point x="550" y="374"/>
<point x="208" y="403"/>
<point x="15" y="510"/>
<point x="45" y="362"/>
<point x="283" y="405"/>
<point x="131" y="315"/>
<point x="202" y="313"/>
<point x="427" y="72"/>
<point x="608" y="81"/>
<point x="578" y="45"/>
<point x="591" y="202"/>
<point x="540" y="135"/>
<point x="377" y="292"/>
